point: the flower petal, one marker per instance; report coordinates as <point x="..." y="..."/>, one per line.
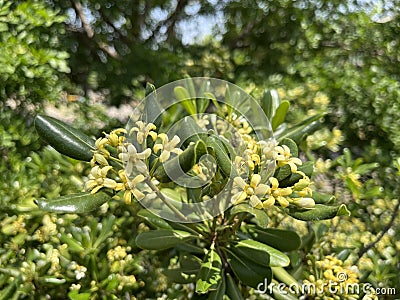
<point x="256" y="202"/>
<point x="239" y="181"/>
<point x="255" y="180"/>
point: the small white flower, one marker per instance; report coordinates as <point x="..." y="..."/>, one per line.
<point x="131" y="157"/>
<point x="167" y="146"/>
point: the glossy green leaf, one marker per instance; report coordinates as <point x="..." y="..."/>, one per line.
<point x="74" y="203"/>
<point x="64" y="138"/>
<point x="210" y="273"/>
<point x="270" y="102"/>
<point x="283" y="240"/>
<point x="321" y="198"/>
<point x="161" y="239"/>
<point x="276" y="257"/>
<point x="252" y="251"/>
<point x="319" y="212"/>
<point x="280" y="114"/>
<point x="190" y="248"/>
<point x="184" y="98"/>
<point x="180" y="275"/>
<point x="283" y="276"/>
<point x="232" y="289"/>
<point x="153" y="219"/>
<point x="181" y="163"/>
<point x="260" y="216"/>
<point x="248" y="272"/>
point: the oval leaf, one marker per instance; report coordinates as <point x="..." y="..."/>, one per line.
<point x="280" y="114"/>
<point x="253" y="253"/>
<point x="161" y="239"/>
<point x="64" y="138"/>
<point x="74" y="203"/>
<point x="153" y="219"/>
<point x="276" y="257"/>
<point x="319" y="212"/>
<point x="283" y="240"/>
<point x="248" y="272"/>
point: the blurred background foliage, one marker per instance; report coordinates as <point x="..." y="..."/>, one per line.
<point x="86" y="61"/>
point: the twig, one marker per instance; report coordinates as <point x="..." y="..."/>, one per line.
<point x="89" y="31"/>
<point x="381" y="234"/>
<point x="161" y="196"/>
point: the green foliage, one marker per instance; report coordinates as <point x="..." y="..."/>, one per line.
<point x="31" y="58"/>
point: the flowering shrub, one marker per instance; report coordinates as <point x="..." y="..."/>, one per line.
<point x="204" y="171"/>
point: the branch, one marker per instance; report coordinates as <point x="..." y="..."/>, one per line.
<point x="171" y="20"/>
<point x="89" y="31"/>
<point x="381" y="234"/>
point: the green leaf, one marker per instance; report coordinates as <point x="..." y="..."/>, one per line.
<point x="221" y="154"/>
<point x="232" y="289"/>
<point x="283" y="240"/>
<point x="307" y="168"/>
<point x="294" y="151"/>
<point x="319" y="212"/>
<point x="210" y="273"/>
<point x="304" y="128"/>
<point x="153" y="219"/>
<point x="64" y="138"/>
<point x="202" y="104"/>
<point x="276" y="257"/>
<point x="282" y="172"/>
<point x="183" y="96"/>
<point x="270" y="102"/>
<point x="252" y="250"/>
<point x="214" y="100"/>
<point x="280" y="114"/>
<point x="189" y="131"/>
<point x="161" y="239"/>
<point x="188" y="270"/>
<point x="7" y="292"/>
<point x="75" y="295"/>
<point x="248" y="272"/>
<point x="261" y="217"/>
<point x="74" y="203"/>
<point x="181" y="163"/>
<point x="219" y="293"/>
<point x="321" y="198"/>
<point x="73" y="245"/>
<point x="181" y="275"/>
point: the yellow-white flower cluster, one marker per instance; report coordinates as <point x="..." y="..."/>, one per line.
<point x="264" y="193"/>
<point x="120" y="165"/>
